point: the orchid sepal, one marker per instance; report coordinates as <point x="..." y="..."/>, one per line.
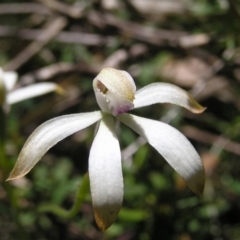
<point x="173" y="146"/>
<point x="46" y="136"/>
<point x="105" y="173"/>
<point x="166" y="93"/>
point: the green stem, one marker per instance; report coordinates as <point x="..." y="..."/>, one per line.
<point x="5" y="167"/>
<point x="81" y="194"/>
<point x="3" y="162"/>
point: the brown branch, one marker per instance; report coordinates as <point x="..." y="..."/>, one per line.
<point x="57" y="69"/>
<point x="72" y="11"/>
<point x="88" y="39"/>
<point x="209" y="138"/>
<point x="234" y="8"/>
<point x="115" y="60"/>
<point x="149" y="34"/>
<point x="50" y="32"/>
<point x="23" y="8"/>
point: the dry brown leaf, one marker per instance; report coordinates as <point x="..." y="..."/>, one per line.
<point x="184" y="72"/>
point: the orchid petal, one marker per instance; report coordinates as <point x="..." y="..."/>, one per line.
<point x="46" y="136"/>
<point x="31" y="91"/>
<point x="166" y="93"/>
<point x="173" y="146"/>
<point x="10" y="79"/>
<point x="105" y="172"/>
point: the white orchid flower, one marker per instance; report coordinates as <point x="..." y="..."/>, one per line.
<point x="116" y="94"/>
<point x="10" y="96"/>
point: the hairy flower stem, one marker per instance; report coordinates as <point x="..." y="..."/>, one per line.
<point x="4" y="168"/>
<point x="81" y="194"/>
<point x="3" y="162"/>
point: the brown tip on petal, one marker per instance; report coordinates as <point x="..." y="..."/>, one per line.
<point x="105" y="217"/>
<point x="199" y="187"/>
<point x="12" y="177"/>
<point x="16" y="173"/>
<point x="195" y="106"/>
<point x="101" y="224"/>
<point x="60" y="90"/>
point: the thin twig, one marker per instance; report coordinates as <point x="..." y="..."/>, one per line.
<point x="88" y="39"/>
<point x="48" y="72"/>
<point x="23" y="8"/>
<point x="209" y="138"/>
<point x="147" y="34"/>
<point x="50" y="32"/>
<point x="234" y="8"/>
<point x="57" y="69"/>
<point x="73" y="11"/>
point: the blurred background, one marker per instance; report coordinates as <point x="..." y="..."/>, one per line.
<point x="191" y="43"/>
